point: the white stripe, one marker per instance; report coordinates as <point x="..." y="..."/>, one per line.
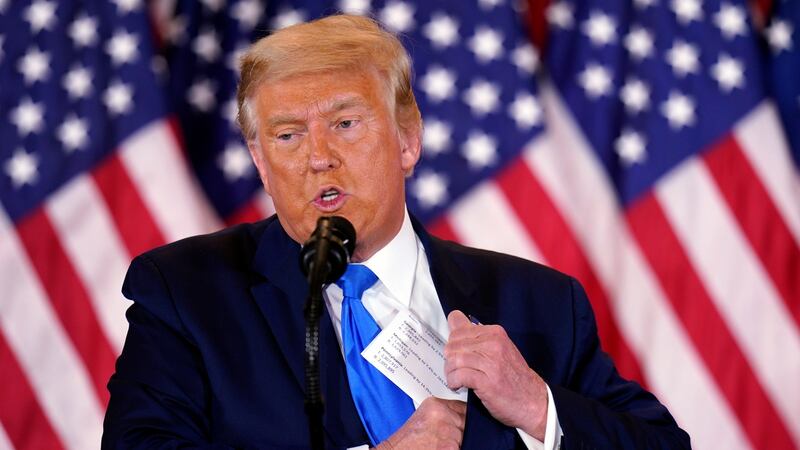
<point x="763" y="143"/>
<point x="157" y="167"/>
<point x="51" y="365"/>
<point x="574" y="179"/>
<point x="484" y="219"/>
<point x="264" y="203"/>
<point x="87" y="232"/>
<point x="5" y="442"/>
<point x="737" y="283"/>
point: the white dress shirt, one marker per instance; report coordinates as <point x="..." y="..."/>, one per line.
<point x="405" y="283"/>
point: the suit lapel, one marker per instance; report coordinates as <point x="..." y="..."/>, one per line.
<point x="460" y="291"/>
<point x="281" y="296"/>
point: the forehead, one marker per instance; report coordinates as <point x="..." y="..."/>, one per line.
<point x="320" y="92"/>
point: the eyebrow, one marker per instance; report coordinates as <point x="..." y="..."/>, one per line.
<point x="336" y="106"/>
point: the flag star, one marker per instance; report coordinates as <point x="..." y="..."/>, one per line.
<point x="684" y="58"/>
<point x="635" y="96"/>
<point x="213" y="5"/>
<point x="729" y="73"/>
<point x="679" y="110"/>
<point x="126" y="6"/>
<point x="398" y="16"/>
<point x="639" y="43"/>
<point x="235" y="162"/>
<point x="438" y="83"/>
<point x="525" y="58"/>
<point x="430" y="189"/>
<point x="176" y="30"/>
<point x="287" y="18"/>
<point x="78" y="82"/>
<point x="22" y="168"/>
<point x="731" y="21"/>
<point x="559" y="14"/>
<point x="442" y="30"/>
<point x="482" y="97"/>
<point x="687" y="10"/>
<point x="34" y="66"/>
<point x="28" y="117"/>
<point x="359" y="7"/>
<point x="480" y="150"/>
<point x="644" y="4"/>
<point x="230" y="111"/>
<point x="489" y="4"/>
<point x="779" y="35"/>
<point x="206" y="45"/>
<point x="159" y="66"/>
<point x="595" y="80"/>
<point x="3" y="5"/>
<point x="118" y="98"/>
<point x="123" y="47"/>
<point x="41" y="15"/>
<point x="630" y="147"/>
<point x="235" y="57"/>
<point x="201" y="95"/>
<point x="83" y="31"/>
<point x="436" y="136"/>
<point x="486" y="44"/>
<point x="525" y="110"/>
<point x="73" y="133"/>
<point x="247" y="13"/>
<point x="600" y="28"/>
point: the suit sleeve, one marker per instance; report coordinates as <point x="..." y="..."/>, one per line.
<point x="597" y="408"/>
<point x="159" y="393"/>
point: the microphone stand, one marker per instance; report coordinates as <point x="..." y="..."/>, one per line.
<point x="313" y="311"/>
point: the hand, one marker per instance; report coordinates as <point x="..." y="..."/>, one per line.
<point x="436" y="424"/>
<point x="483" y="358"/>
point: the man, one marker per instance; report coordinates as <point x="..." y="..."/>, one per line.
<point x="215" y="347"/>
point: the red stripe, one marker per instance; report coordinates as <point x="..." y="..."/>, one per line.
<point x="561" y="250"/>
<point x="23" y="419"/>
<point x="130" y="215"/>
<point x="759" y="219"/>
<point x="247" y="213"/>
<point x="69" y="298"/>
<point x="704" y="325"/>
<point x="536" y="17"/>
<point x="442" y="229"/>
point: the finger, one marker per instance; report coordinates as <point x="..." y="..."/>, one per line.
<point x="457" y="406"/>
<point x="473" y="358"/>
<point x="466" y="377"/>
<point x="457" y="320"/>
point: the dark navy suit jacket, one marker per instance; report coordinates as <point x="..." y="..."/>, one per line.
<point x="214" y="354"/>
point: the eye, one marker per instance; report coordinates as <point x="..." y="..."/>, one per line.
<point x="285" y="136"/>
<point x="348" y="123"/>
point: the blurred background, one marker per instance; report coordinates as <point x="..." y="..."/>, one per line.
<point x="648" y="147"/>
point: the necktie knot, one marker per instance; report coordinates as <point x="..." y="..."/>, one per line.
<point x="356" y="279"/>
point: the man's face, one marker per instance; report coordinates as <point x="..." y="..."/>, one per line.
<point x="328" y="145"/>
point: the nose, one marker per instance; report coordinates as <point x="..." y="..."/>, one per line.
<point x="323" y="156"/>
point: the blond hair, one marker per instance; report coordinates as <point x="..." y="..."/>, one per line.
<point x="333" y="43"/>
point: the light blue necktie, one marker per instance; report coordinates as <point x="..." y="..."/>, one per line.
<point x="382" y="406"/>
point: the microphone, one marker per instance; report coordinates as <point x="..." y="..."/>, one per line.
<point x="324" y="256"/>
<point x="323" y="259"/>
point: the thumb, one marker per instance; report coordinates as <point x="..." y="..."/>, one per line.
<point x="457" y="319"/>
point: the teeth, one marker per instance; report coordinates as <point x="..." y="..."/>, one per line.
<point x="330" y="195"/>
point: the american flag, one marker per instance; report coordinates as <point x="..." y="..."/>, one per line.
<point x="637" y="149"/>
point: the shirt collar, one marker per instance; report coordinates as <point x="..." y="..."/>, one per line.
<point x="400" y="252"/>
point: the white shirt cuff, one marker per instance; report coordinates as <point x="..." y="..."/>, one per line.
<point x="552" y="429"/>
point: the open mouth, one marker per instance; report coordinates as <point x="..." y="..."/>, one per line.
<point x="330" y="199"/>
<point x="330" y="195"/>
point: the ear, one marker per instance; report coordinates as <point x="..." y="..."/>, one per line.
<point x="258" y="159"/>
<point x="411" y="147"/>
